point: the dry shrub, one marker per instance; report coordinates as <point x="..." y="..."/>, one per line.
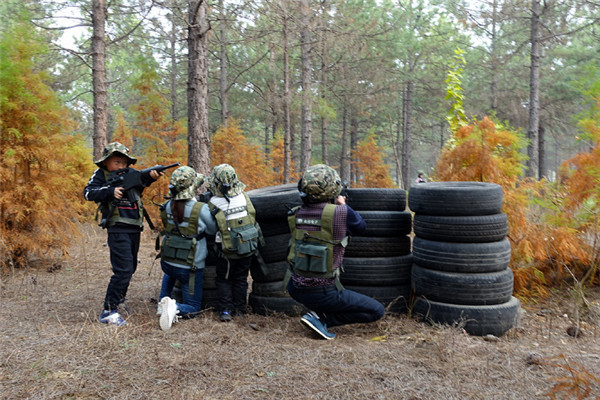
<point x="229" y="145"/>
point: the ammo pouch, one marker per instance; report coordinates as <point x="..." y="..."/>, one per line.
<point x="311" y="257"/>
<point x="244" y="239"/>
<point x="179" y="250"/>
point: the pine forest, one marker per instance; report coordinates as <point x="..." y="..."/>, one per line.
<point x="503" y="91"/>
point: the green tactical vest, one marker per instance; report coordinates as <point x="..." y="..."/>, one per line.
<point x="311" y="252"/>
<point x="240" y="236"/>
<point x="179" y="244"/>
<point x="115" y="217"/>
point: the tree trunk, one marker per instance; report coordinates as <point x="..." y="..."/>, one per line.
<point x="198" y="139"/>
<point x="323" y="91"/>
<point x="223" y="64"/>
<point x="306" y="49"/>
<point x="353" y="146"/>
<point x="543" y="170"/>
<point x="344" y="157"/>
<point x="493" y="59"/>
<point x="287" y="132"/>
<point x="407" y="101"/>
<point x="397" y="147"/>
<point x="534" y="93"/>
<point x="100" y="136"/>
<point x="173" y="71"/>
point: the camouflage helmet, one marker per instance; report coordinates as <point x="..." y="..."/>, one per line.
<point x="184" y="182"/>
<point x="112" y="148"/>
<point x="224" y="181"/>
<point x="320" y="183"/>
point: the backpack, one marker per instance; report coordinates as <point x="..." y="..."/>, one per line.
<point x="179" y="242"/>
<point x="241" y="236"/>
<point x="311" y="252"/>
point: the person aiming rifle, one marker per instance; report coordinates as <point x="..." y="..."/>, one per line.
<point x="122" y="217"/>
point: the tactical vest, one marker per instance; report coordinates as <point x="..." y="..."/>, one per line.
<point x="311" y="252"/>
<point x="179" y="243"/>
<point x="240" y="236"/>
<point x="133" y="214"/>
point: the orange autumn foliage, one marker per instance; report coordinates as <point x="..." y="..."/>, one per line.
<point x="276" y="162"/>
<point x="370" y="167"/>
<point x="43" y="168"/>
<point x="230" y="146"/>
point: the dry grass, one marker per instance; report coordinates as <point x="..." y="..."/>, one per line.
<point x="52" y="348"/>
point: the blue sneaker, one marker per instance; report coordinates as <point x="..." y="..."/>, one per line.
<point x="225" y="316"/>
<point x="112" y="318"/>
<point x="312" y="321"/>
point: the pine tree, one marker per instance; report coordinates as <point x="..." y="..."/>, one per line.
<point x="43" y="168"/>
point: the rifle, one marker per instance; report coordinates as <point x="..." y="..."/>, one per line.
<point x="129" y="178"/>
<point x="344" y="191"/>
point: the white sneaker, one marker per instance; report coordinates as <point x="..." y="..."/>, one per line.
<point x="169" y="313"/>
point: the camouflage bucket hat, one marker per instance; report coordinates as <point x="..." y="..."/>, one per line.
<point x="223" y="176"/>
<point x="112" y="148"/>
<point x="320" y="183"/>
<point x="184" y="182"/>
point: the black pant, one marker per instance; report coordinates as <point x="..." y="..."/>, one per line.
<point x="123" y="257"/>
<point x="232" y="283"/>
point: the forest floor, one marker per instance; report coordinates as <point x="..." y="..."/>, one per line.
<point x="53" y="347"/>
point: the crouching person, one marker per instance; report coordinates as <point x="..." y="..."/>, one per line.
<point x="183" y="253"/>
<point x="320" y="229"/>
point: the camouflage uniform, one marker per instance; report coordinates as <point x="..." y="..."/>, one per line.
<point x="320" y="185"/>
<point x="224" y="178"/>
<point x="123" y="237"/>
<point x="184" y="183"/>
<point x="112" y="148"/>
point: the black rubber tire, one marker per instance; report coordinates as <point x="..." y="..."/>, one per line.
<point x="209" y="277"/>
<point x="273" y="271"/>
<point x="463" y="288"/>
<point x="381" y="199"/>
<point x="494" y="319"/>
<point x="275" y="248"/>
<point x="269" y="289"/>
<point x="272" y="227"/>
<point x="461" y="257"/>
<point x="377" y="271"/>
<point x="363" y="246"/>
<point x="464" y="229"/>
<point x="210" y="298"/>
<point x="387" y="223"/>
<point x="394" y="298"/>
<point x="274" y="202"/>
<point x="272" y="305"/>
<point x="455" y="198"/>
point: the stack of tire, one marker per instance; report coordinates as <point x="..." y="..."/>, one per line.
<point x="378" y="262"/>
<point x="461" y="254"/>
<point x="272" y="205"/>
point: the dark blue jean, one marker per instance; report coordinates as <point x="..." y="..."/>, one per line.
<point x="123" y="258"/>
<point x="191" y="304"/>
<point x="337" y="308"/>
